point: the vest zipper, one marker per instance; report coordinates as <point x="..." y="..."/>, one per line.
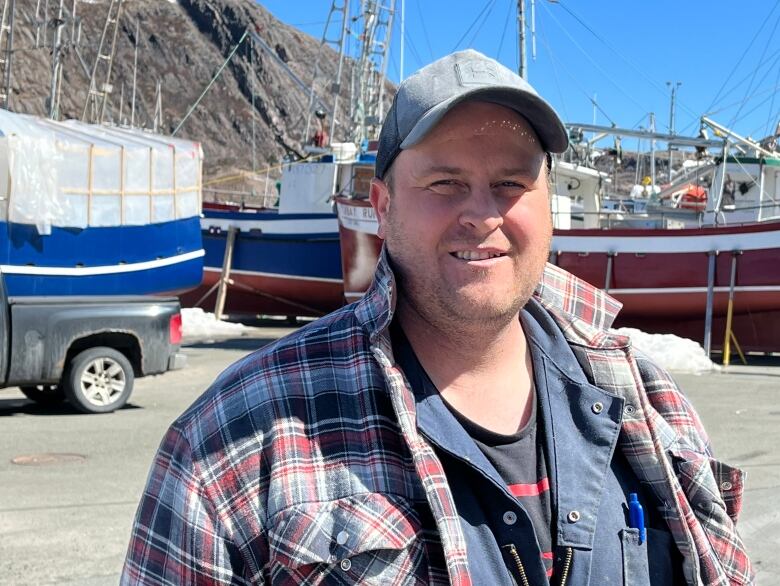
<point x="566" y="566"/>
<point x="518" y="562"/>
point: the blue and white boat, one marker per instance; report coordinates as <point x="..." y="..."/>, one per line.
<point x="93" y="210"/>
<point x="286" y="260"/>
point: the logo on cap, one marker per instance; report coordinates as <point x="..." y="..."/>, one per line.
<point x="476" y="73"/>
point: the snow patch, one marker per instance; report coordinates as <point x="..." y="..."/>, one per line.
<point x="671" y="352"/>
<point x="200" y="326"/>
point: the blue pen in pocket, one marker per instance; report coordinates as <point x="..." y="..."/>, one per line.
<point x="636" y="516"/>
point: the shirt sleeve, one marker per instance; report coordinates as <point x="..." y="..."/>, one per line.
<point x="177" y="536"/>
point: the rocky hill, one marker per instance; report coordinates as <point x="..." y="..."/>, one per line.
<point x="181" y="45"/>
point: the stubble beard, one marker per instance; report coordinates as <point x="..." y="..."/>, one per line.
<point x="442" y="306"/>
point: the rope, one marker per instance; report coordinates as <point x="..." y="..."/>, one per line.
<point x="503" y="32"/>
<point x="425" y="30"/>
<point x="755" y="71"/>
<point x="487" y="5"/>
<point x="660" y="88"/>
<point x="745" y="52"/>
<point x="212" y="82"/>
<point x="593" y="61"/>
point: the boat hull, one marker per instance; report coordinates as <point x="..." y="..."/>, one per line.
<point x="279" y="265"/>
<point x="162" y="258"/>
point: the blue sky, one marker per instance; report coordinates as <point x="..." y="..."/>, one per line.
<point x="725" y="53"/>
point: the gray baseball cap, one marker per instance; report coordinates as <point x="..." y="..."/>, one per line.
<point x="424" y="98"/>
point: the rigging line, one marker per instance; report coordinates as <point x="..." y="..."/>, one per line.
<point x="621" y="54"/>
<point x="415" y="53"/>
<point x="769" y="117"/>
<point x="737" y="103"/>
<point x="425" y="30"/>
<point x="745" y="52"/>
<point x="484" y="20"/>
<point x="503" y="32"/>
<point x="756" y="107"/>
<point x="473" y="24"/>
<point x="738" y="84"/>
<point x="576" y="82"/>
<point x="755" y="71"/>
<point x="593" y="61"/>
<point x="554" y="69"/>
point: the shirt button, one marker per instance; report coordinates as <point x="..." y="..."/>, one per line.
<point x="510" y="518"/>
<point x="726" y="485"/>
<point x="629" y="409"/>
<point x="573" y="516"/>
<point x="346" y="565"/>
<point x="342" y="537"/>
<point x="598" y="407"/>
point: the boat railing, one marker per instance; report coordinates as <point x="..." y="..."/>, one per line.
<point x="240" y="198"/>
<point x="658" y="217"/>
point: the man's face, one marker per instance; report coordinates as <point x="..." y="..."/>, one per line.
<point x="467" y="224"/>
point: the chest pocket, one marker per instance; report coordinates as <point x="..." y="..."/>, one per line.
<point x="368" y="539"/>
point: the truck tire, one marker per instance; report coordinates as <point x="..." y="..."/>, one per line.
<point x="98" y="380"/>
<point x="44" y="394"/>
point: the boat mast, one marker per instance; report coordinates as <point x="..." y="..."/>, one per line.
<point x="7" y="39"/>
<point x="97" y="94"/>
<point x="338" y="10"/>
<point x="368" y="107"/>
<point x="522" y="61"/>
<point x="652" y="153"/>
<point x="673" y="87"/>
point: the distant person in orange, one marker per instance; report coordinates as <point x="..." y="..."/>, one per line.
<point x="321" y="138"/>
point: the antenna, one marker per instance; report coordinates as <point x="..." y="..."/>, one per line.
<point x="97" y="96"/>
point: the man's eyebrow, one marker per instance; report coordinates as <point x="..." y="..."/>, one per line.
<point x="525" y="171"/>
<point x="448" y="170"/>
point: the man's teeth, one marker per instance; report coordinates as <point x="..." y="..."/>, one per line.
<point x="472" y="255"/>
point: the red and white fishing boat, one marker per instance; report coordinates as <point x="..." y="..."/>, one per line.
<point x="663" y="265"/>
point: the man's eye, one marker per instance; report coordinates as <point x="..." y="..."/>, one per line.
<point x="445" y="186"/>
<point x="509" y="188"/>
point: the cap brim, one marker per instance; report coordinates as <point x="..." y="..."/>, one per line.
<point x="539" y="114"/>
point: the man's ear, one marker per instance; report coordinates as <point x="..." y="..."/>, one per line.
<point x="379" y="195"/>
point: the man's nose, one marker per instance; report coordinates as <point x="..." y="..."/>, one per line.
<point x="481" y="211"/>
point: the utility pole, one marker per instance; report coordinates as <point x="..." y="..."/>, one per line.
<point x="674" y="87"/>
<point x="522" y="62"/>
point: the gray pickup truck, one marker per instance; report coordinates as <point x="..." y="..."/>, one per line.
<point x="87" y="350"/>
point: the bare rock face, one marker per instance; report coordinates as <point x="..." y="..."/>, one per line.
<point x="181" y="45"/>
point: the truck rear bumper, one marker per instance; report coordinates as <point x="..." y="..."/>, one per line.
<point x="177" y="360"/>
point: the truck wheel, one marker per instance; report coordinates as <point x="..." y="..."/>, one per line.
<point x="44" y="394"/>
<point x="98" y="380"/>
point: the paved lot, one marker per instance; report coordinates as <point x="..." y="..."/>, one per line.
<point x="68" y="522"/>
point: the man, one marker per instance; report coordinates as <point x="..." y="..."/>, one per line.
<point x="470" y="421"/>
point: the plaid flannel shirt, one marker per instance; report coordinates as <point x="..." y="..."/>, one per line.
<point x="301" y="463"/>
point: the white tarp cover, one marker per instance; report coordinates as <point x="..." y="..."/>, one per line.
<point x="75" y="175"/>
